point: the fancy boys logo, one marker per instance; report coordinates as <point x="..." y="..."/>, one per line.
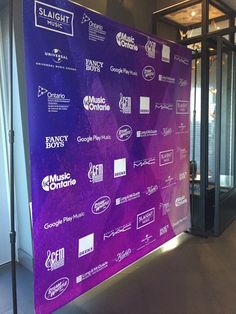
<point x="150" y="48"/>
<point x="95" y="173"/>
<point x="53" y="18"/>
<point x="101" y="205"/>
<point x="124" y="133"/>
<point x="52" y="142"/>
<point x="149" y="73"/>
<point x="56" y="182"/>
<point x="96" y="31"/>
<point x="57" y="288"/>
<point x="55" y="259"/>
<point x="92" y="103"/>
<point x="125" y="41"/>
<point x="93" y="65"/>
<point x="125" y="104"/>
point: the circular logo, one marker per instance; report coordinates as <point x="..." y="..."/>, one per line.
<point x="57" y="288"/>
<point x="124" y="133"/>
<point x="149" y="73"/>
<point x="101" y="205"/>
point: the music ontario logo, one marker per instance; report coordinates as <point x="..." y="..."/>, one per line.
<point x="56" y="182"/>
<point x="92" y="103"/>
<point x="125" y="41"/>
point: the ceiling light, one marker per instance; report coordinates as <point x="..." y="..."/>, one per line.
<point x="193" y="13"/>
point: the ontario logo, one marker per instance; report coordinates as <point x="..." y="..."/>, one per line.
<point x="92" y="103"/>
<point x="125" y="41"/>
<point x="56" y="182"/>
<point x="57" y="288"/>
<point x="124" y="133"/>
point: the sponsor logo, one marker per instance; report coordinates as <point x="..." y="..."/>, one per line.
<point x="145" y="218"/>
<point x="148" y="73"/>
<point x="150" y="48"/>
<point x="125" y="104"/>
<point x="144" y="105"/>
<point x="93" y="138"/>
<point x="182" y="107"/>
<point x="116" y="231"/>
<point x="92" y="103"/>
<point x="166" y="131"/>
<point x="127" y="198"/>
<point x="182" y="60"/>
<point x="124" y="71"/>
<point x="183" y="153"/>
<point x="183" y="82"/>
<point x="55" y="259"/>
<point x="56" y="101"/>
<point x="180" y="221"/>
<point x="146" y="133"/>
<point x="56" y="56"/>
<point x="86" y="245"/>
<point x="166" y="79"/>
<point x="122" y="255"/>
<point x="125" y="41"/>
<point x="164" y="106"/>
<point x="56" y="182"/>
<point x="182" y="176"/>
<point x="93" y="65"/>
<point x="101" y="205"/>
<point x="65" y="219"/>
<point x="52" y="142"/>
<point x="165" y="207"/>
<point x="119" y="167"/>
<point x="93" y="271"/>
<point x="165" y="55"/>
<point x="53" y="19"/>
<point x="164" y="230"/>
<point x="124" y="133"/>
<point x="151" y="190"/>
<point x="166" y="157"/>
<point x="95" y="173"/>
<point x="169" y="181"/>
<point x="148" y="239"/>
<point x="180" y="201"/>
<point x="144" y="162"/>
<point x="182" y="129"/>
<point x="57" y="288"/>
<point x="96" y="31"/>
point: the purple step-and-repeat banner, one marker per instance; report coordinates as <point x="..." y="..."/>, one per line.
<point x="108" y="111"/>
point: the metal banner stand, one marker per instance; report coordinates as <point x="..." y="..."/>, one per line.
<point x="12" y="183"/>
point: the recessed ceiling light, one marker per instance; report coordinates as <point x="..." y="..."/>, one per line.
<point x="193" y="13"/>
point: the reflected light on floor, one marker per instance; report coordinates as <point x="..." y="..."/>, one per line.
<point x="172" y="244"/>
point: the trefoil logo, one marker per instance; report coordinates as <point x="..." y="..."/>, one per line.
<point x="92" y="103"/>
<point x="95" y="173"/>
<point x="125" y="41"/>
<point x="56" y="182"/>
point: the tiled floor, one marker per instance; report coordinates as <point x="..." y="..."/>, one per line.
<point x="197" y="277"/>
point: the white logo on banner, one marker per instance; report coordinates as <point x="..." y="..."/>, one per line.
<point x="144" y="105"/>
<point x="150" y="48"/>
<point x="57" y="288"/>
<point x="180" y="221"/>
<point x="119" y="167"/>
<point x="166" y="79"/>
<point x="66" y="219"/>
<point x="127" y="198"/>
<point x="180" y="201"/>
<point x="93" y="66"/>
<point x="92" y="103"/>
<point x="164" y="106"/>
<point x="86" y="245"/>
<point x="125" y="104"/>
<point x="148" y="73"/>
<point x="123" y="70"/>
<point x="52" y="142"/>
<point x="183" y="153"/>
<point x="166" y="157"/>
<point x="165" y="207"/>
<point x="85" y="19"/>
<point x="96" y="31"/>
<point x="182" y="60"/>
<point x="183" y="82"/>
<point x="55" y="259"/>
<point x="144" y="162"/>
<point x="165" y="54"/>
<point x="125" y="41"/>
<point x="166" y="131"/>
<point x="146" y="133"/>
<point x="164" y="230"/>
<point x="56" y="55"/>
<point x="151" y="190"/>
<point x="116" y="231"/>
<point x="124" y="133"/>
<point x="91" y="272"/>
<point x="145" y="218"/>
<point x="41" y="91"/>
<point x="122" y="255"/>
<point x="55" y="182"/>
<point x="93" y="138"/>
<point x="182" y="176"/>
<point x="101" y="205"/>
<point x="169" y="181"/>
<point x="95" y="173"/>
<point x="182" y="129"/>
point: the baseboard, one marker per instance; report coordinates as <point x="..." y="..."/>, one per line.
<point x="25" y="259"/>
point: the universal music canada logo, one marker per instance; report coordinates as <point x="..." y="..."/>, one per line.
<point x="125" y="104"/>
<point x="56" y="55"/>
<point x="95" y="173"/>
<point x="125" y="41"/>
<point x="93" y="65"/>
<point x="57" y="182"/>
<point x="92" y="103"/>
<point x="52" y="142"/>
<point x="150" y="48"/>
<point x="55" y="259"/>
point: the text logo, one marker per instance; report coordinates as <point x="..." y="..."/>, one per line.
<point x="93" y="66"/>
<point x="92" y="103"/>
<point x="93" y="138"/>
<point x="150" y="48"/>
<point x="165" y="57"/>
<point x="122" y="255"/>
<point x="146" y="133"/>
<point x="151" y="190"/>
<point x="56" y="182"/>
<point x="127" y="198"/>
<point x="183" y="153"/>
<point x="101" y="205"/>
<point x="86" y="245"/>
<point x="182" y="60"/>
<point x="164" y="230"/>
<point x="124" y="133"/>
<point x="144" y="105"/>
<point x="164" y="106"/>
<point x="55" y="259"/>
<point x="165" y="207"/>
<point x="125" y="41"/>
<point x="182" y="107"/>
<point x="119" y="167"/>
<point x="166" y="157"/>
<point x="96" y="31"/>
<point x="180" y="201"/>
<point x="116" y="231"/>
<point x="145" y="218"/>
<point x="149" y="73"/>
<point x="144" y="162"/>
<point x="183" y="82"/>
<point x="182" y="128"/>
<point x="56" y="55"/>
<point x="166" y="131"/>
<point x="169" y="181"/>
<point x="125" y="104"/>
<point x="52" y="142"/>
<point x="182" y="176"/>
<point x="166" y="79"/>
<point x="91" y="272"/>
<point x="57" y="288"/>
<point x="95" y="173"/>
<point x="53" y="19"/>
<point x="124" y="71"/>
